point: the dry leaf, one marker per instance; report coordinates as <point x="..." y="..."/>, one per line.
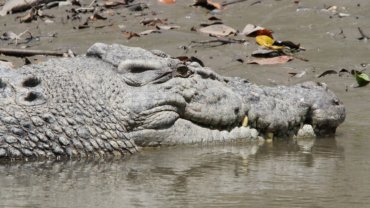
<point x="270" y="61"/>
<point x="213" y="18"/>
<point x="9" y="36"/>
<point x="167" y="27"/>
<point x="28" y="17"/>
<point x="288" y="44"/>
<point x="167" y="1"/>
<point x="327" y="72"/>
<point x="266" y="53"/>
<point x="147" y="32"/>
<point x="297" y="75"/>
<point x="191" y="59"/>
<point x="218" y="30"/>
<point x="343" y="71"/>
<point x="212" y="23"/>
<point x="97" y="16"/>
<point x="153" y="22"/>
<point x="264" y="32"/>
<point x="208" y="4"/>
<point x="268" y="42"/>
<point x="214" y="4"/>
<point x="110" y="4"/>
<point x="130" y="35"/>
<point x="253" y="31"/>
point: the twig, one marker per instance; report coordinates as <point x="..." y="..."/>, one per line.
<point x="254" y="3"/>
<point x="225" y="3"/>
<point x="25" y="52"/>
<point x="90" y="5"/>
<point x="299" y="58"/>
<point x="89" y="8"/>
<point x="363" y="36"/>
<point x="217" y="42"/>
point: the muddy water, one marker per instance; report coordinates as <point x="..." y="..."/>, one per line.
<point x="335" y="172"/>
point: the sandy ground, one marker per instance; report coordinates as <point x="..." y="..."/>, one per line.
<point x="328" y="30"/>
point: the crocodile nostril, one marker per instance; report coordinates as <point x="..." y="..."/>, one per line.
<point x="31" y="96"/>
<point x="236" y="110"/>
<point x="335" y="102"/>
<point x="31" y="82"/>
<point x="2" y="84"/>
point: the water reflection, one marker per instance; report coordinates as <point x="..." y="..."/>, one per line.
<point x="185" y="176"/>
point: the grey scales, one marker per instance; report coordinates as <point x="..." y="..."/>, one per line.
<point x="116" y="99"/>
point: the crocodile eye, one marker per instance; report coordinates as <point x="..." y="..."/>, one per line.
<point x="183" y="71"/>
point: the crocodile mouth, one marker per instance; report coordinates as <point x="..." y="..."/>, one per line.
<point x="184" y="131"/>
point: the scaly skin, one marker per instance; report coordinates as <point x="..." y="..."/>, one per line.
<point x="117" y="99"/>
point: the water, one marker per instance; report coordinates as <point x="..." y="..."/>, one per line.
<point x="333" y="173"/>
<point x="276" y="174"/>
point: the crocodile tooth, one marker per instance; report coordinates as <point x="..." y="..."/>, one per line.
<point x="245" y="121"/>
<point x="270" y="136"/>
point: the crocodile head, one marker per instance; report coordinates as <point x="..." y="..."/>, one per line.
<point x="182" y="102"/>
<point x="178" y="104"/>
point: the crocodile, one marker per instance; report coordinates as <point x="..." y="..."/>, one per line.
<point x="115" y="100"/>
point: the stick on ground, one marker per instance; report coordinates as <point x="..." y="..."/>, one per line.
<point x="26" y="52"/>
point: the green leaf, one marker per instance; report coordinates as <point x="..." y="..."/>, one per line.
<point x="362" y="79"/>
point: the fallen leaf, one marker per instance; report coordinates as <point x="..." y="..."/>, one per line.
<point x="264" y="32"/>
<point x="361" y="78"/>
<point x="213" y="18"/>
<point x="251" y="30"/>
<point x="110" y="4"/>
<point x="102" y="26"/>
<point x="147" y="32"/>
<point x="209" y="24"/>
<point x="82" y="26"/>
<point x="239" y="60"/>
<point x="218" y="30"/>
<point x="191" y="59"/>
<point x="268" y="42"/>
<point x="167" y="1"/>
<point x="343" y="71"/>
<point x="288" y="44"/>
<point x="167" y="27"/>
<point x="266" y="53"/>
<point x="48" y="21"/>
<point x="270" y="61"/>
<point x="332" y="9"/>
<point x="9" y="36"/>
<point x="153" y="22"/>
<point x="343" y="15"/>
<point x="327" y="72"/>
<point x="97" y="16"/>
<point x="297" y="75"/>
<point x="215" y="5"/>
<point x="208" y="4"/>
<point x="254" y="3"/>
<point x="29" y="17"/>
<point x="130" y="35"/>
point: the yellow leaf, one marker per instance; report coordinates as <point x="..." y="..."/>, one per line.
<point x="268" y="42"/>
<point x="274" y="47"/>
